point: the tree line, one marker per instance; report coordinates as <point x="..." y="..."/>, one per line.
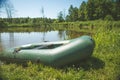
<point x="93" y="10"/>
<point x="89" y="10"/>
<point x="29" y="20"/>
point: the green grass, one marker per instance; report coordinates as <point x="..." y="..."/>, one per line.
<point x="103" y="65"/>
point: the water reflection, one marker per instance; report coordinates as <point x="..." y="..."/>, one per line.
<point x="8" y="39"/>
<point x="11" y="39"/>
<point x="62" y="34"/>
<point x="74" y="34"/>
<point x="0" y="37"/>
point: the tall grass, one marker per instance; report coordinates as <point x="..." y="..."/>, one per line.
<point x="107" y="49"/>
<point x="103" y="65"/>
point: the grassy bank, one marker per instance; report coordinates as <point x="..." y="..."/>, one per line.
<point x="103" y="65"/>
<point x="82" y="26"/>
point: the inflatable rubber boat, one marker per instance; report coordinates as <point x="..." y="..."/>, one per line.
<point x="57" y="53"/>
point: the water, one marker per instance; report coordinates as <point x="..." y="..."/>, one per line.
<point x="8" y="40"/>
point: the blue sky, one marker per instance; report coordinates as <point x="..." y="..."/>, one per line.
<point x="32" y="8"/>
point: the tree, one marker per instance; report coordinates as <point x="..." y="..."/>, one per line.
<point x="69" y="17"/>
<point x="91" y="9"/>
<point x="2" y="2"/>
<point x="42" y="12"/>
<point x="43" y="16"/>
<point x="9" y="9"/>
<point x="72" y="14"/>
<point x="117" y="9"/>
<point x="75" y="14"/>
<point x="82" y="12"/>
<point x="60" y="17"/>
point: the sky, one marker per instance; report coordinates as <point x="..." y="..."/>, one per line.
<point x="32" y="8"/>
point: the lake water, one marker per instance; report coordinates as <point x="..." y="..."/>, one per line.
<point x="8" y="40"/>
<point x="13" y="39"/>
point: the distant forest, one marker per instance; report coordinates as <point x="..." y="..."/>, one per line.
<point x="90" y="10"/>
<point x="94" y="10"/>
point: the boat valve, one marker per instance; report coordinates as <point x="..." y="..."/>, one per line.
<point x="16" y="50"/>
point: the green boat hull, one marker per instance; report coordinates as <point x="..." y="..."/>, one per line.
<point x="52" y="53"/>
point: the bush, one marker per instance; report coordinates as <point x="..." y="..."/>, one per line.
<point x="108" y="18"/>
<point x="2" y="24"/>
